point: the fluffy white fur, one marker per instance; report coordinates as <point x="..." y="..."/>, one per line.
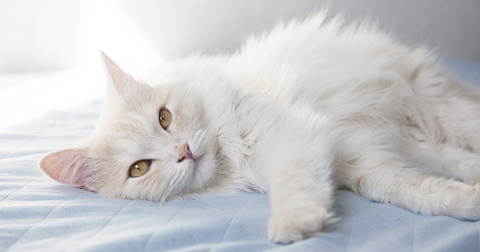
<point x="295" y="113"/>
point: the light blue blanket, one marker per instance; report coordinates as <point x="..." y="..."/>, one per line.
<point x="38" y="214"/>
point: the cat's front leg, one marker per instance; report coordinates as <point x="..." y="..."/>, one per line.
<point x="300" y="162"/>
<point x="300" y="208"/>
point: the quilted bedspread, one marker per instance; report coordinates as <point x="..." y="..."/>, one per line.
<point x="38" y="214"/>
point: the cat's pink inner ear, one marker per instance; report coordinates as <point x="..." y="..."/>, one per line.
<point x="66" y="166"/>
<point x="122" y="81"/>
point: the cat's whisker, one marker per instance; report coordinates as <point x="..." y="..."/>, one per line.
<point x="173" y="184"/>
<point x="165" y="196"/>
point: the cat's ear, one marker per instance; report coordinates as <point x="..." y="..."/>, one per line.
<point x="69" y="166"/>
<point x="117" y="80"/>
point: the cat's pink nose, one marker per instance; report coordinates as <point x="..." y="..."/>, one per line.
<point x="184" y="153"/>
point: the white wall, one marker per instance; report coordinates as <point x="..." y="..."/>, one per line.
<point x="180" y="27"/>
<point x="38" y="35"/>
<point x="56" y="34"/>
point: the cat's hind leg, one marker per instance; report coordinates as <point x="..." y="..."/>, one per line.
<point x="392" y="182"/>
<point x="442" y="158"/>
<point x="459" y="164"/>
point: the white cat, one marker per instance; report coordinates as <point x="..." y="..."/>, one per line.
<point x="296" y="113"/>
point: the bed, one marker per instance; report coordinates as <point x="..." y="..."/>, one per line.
<point x="38" y="214"/>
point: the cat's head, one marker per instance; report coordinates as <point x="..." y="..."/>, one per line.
<point x="151" y="143"/>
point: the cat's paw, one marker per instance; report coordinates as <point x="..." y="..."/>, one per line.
<point x="285" y="227"/>
<point x="467" y="204"/>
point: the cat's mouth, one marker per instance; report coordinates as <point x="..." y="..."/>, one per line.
<point x="188" y="155"/>
<point x="183" y="158"/>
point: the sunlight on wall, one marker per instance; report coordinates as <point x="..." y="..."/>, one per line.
<point x="27" y="96"/>
<point x="38" y="35"/>
<point x="104" y="26"/>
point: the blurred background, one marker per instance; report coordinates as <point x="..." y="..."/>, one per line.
<point x="49" y="49"/>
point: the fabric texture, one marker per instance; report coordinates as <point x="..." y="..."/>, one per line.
<point x="38" y="214"/>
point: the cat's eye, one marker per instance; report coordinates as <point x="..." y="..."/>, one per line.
<point x="139" y="168"/>
<point x="164" y="118"/>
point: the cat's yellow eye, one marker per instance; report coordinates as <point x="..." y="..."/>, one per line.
<point x="164" y="118"/>
<point x="139" y="168"/>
